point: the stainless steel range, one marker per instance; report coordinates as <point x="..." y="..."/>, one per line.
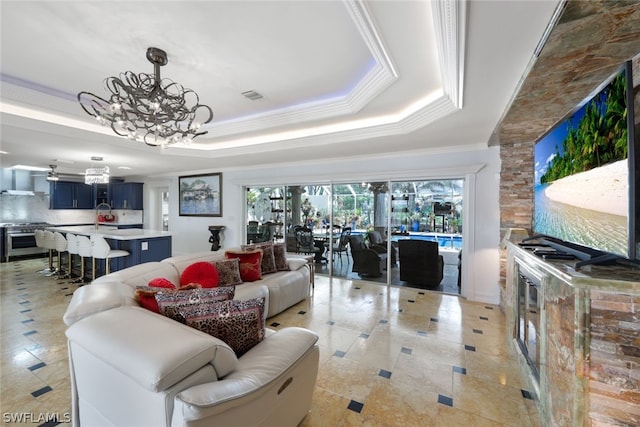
<point x="19" y="239"/>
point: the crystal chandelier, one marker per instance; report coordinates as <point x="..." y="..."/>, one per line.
<point x="144" y="107"/>
<point x="97" y="175"/>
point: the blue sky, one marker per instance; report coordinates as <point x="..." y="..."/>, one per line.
<point x="545" y="149"/>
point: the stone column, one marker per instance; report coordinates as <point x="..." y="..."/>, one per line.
<point x="379" y="190"/>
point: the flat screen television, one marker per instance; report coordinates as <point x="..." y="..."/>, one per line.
<point x="585" y="174"/>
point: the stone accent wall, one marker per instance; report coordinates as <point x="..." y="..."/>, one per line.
<point x="516" y="196"/>
<point x="614" y="374"/>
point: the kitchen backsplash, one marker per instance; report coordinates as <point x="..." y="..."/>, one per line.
<point x="36" y="209"/>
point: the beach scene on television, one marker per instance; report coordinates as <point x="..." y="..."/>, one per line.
<point x="581" y="175"/>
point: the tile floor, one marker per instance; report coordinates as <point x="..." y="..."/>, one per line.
<point x="393" y="356"/>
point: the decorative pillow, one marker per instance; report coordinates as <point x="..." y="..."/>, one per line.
<point x="250" y="264"/>
<point x="238" y="323"/>
<point x="145" y="294"/>
<point x="161" y="282"/>
<point x="280" y="256"/>
<point x="170" y="303"/>
<point x="228" y="272"/>
<point x="202" y="272"/>
<point x="268" y="264"/>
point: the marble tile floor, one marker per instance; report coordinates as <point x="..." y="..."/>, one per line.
<point x="392" y="356"/>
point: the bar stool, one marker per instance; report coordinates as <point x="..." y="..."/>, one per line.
<point x="49" y="243"/>
<point x="84" y="250"/>
<point x="72" y="248"/>
<point x="39" y="236"/>
<point x="100" y="249"/>
<point x="60" y="243"/>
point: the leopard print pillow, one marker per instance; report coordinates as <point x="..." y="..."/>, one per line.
<point x="170" y="303"/>
<point x="228" y="272"/>
<point x="238" y="323"/>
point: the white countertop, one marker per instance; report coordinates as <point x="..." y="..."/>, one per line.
<point x="111" y="233"/>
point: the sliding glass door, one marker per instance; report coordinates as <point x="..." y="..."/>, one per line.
<point x="357" y="226"/>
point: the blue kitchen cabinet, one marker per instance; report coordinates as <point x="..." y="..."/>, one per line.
<point x="126" y="195"/>
<point x="70" y="195"/>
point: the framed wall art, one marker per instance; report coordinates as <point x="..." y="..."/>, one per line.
<point x="200" y="195"/>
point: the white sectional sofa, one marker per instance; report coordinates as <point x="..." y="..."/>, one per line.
<point x="131" y="366"/>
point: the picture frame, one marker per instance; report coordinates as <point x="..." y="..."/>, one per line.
<point x="200" y="195"/>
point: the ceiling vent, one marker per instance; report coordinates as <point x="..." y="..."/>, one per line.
<point x="252" y="95"/>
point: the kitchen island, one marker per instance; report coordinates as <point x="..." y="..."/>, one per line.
<point x="142" y="245"/>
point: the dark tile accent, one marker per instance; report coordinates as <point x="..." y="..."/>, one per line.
<point x="339" y="353"/>
<point x="477" y="331"/>
<point x="330" y="322"/>
<point x="363" y="335"/>
<point x="384" y="374"/>
<point x="469" y="347"/>
<point x="24" y="302"/>
<point x="27" y="321"/>
<point x="400" y="310"/>
<point x="484" y="318"/>
<point x="302" y="312"/>
<point x="41" y="391"/>
<point x="383" y="321"/>
<point x="23" y="295"/>
<point x="411" y="300"/>
<point x="526" y="394"/>
<point x="25" y="311"/>
<point x="37" y="366"/>
<point x="459" y="370"/>
<point x="420" y="293"/>
<point x="422" y="333"/>
<point x="275" y="324"/>
<point x="69" y="294"/>
<point x="26" y="334"/>
<point x="434" y="319"/>
<point x="355" y="406"/>
<point x="356" y="287"/>
<point x="406" y="350"/>
<point x="20" y="289"/>
<point x="488" y="307"/>
<point x="445" y="400"/>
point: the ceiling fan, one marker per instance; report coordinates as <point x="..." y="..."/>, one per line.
<point x="53" y="175"/>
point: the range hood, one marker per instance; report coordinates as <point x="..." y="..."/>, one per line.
<point x="20" y="192"/>
<point x="17" y="182"/>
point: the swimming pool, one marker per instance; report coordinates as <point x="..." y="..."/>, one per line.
<point x="444" y="240"/>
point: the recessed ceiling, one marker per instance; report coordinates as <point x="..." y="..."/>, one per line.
<point x="337" y="78"/>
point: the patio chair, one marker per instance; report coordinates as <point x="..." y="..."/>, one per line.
<point x="341" y="245"/>
<point x="420" y="262"/>
<point x="367" y="262"/>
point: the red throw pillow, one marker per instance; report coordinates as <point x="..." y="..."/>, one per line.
<point x="161" y="282"/>
<point x="203" y="273"/>
<point x="250" y="264"/>
<point x="147" y="298"/>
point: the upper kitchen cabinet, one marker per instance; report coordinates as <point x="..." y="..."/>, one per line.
<point x="70" y="195"/>
<point x="126" y="195"/>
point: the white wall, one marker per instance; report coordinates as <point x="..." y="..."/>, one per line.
<point x="479" y="167"/>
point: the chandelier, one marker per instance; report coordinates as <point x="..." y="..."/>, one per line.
<point x="97" y="175"/>
<point x="143" y="107"/>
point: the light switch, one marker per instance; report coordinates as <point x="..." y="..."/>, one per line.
<point x="145" y="246"/>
